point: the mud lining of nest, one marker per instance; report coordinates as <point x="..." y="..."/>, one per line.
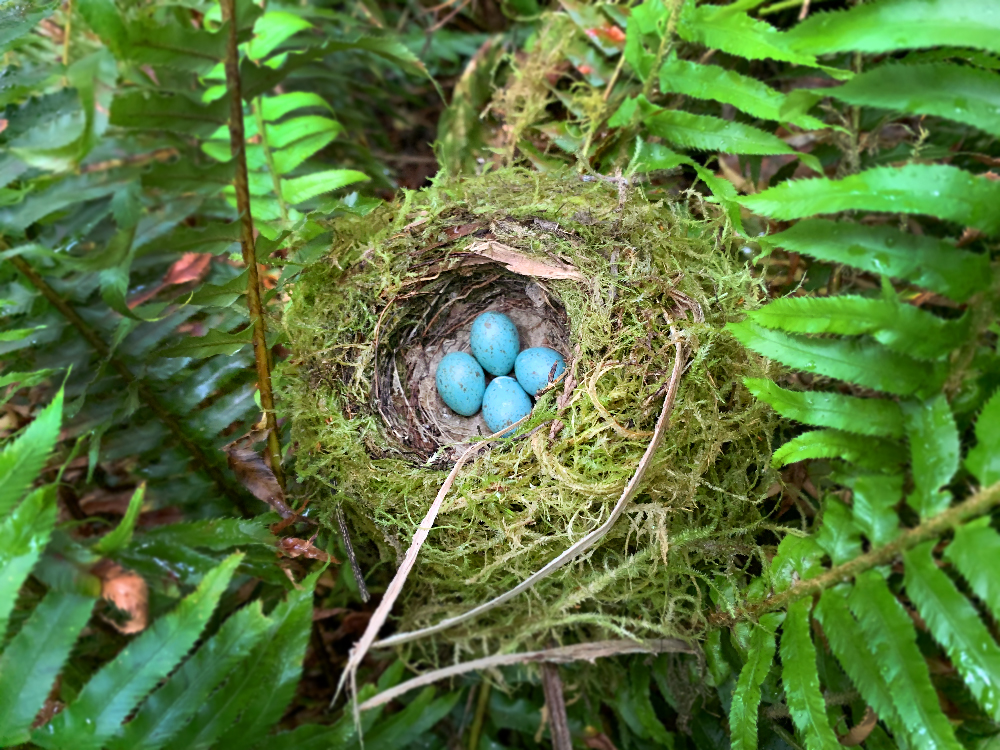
<point x="601" y="279"/>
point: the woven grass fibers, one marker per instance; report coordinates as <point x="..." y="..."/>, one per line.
<point x="399" y="288"/>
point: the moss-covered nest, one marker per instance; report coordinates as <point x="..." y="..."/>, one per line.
<point x="588" y="267"/>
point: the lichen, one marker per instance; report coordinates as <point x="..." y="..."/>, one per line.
<point x="529" y="497"/>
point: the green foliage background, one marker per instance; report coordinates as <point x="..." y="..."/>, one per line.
<point x="861" y="138"/>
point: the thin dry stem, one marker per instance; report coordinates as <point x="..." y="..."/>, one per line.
<point x="560" y="655"/>
<point x="237" y="145"/>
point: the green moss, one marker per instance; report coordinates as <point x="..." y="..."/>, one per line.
<point x="387" y="284"/>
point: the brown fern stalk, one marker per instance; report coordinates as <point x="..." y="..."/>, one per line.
<point x="237" y="145"/>
<point x="146" y="394"/>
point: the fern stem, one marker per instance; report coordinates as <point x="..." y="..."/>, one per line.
<point x="237" y="146"/>
<point x="482" y="704"/>
<point x="666" y="44"/>
<point x="981" y="502"/>
<point x="269" y="159"/>
<point x="201" y="456"/>
<point x="67" y="33"/>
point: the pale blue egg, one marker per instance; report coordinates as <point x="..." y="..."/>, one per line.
<point x="495" y="342"/>
<point x="532" y="368"/>
<point x="461" y="383"/>
<point x="504" y="403"/>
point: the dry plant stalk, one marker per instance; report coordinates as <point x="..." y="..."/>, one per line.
<point x="590" y="539"/>
<point x="237" y="145"/>
<point x="555" y="703"/>
<point x="560" y="655"/>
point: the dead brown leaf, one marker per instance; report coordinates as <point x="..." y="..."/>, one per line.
<point x="292" y="547"/>
<point x="190" y="267"/>
<point x="597" y="740"/>
<point x="128" y="591"/>
<point x="519" y="263"/>
<point x="860" y="731"/>
<point x="321" y="613"/>
<point x="254" y="473"/>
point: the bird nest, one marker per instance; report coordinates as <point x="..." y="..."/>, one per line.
<point x="618" y="285"/>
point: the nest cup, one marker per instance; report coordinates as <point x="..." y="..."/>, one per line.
<point x="595" y="271"/>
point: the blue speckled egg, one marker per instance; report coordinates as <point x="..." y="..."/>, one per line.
<point x="495" y="342"/>
<point x="532" y="368"/>
<point x="504" y="403"/>
<point x="461" y="383"/>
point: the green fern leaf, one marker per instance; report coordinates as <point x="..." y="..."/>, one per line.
<point x="717" y="27"/>
<point x="23" y="537"/>
<point x="275" y="107"/>
<point x="33" y="659"/>
<point x="900" y="24"/>
<point x="288" y="159"/>
<point x="867" y="452"/>
<point x="121" y="536"/>
<point x="746" y="697"/>
<point x="22" y="460"/>
<point x="636" y="708"/>
<point x="106" y="21"/>
<point x="95" y="716"/>
<point x="212" y="343"/>
<point x="956" y="625"/>
<point x="974" y="543"/>
<point x="220" y="295"/>
<point x="903" y="328"/>
<point x="276" y="661"/>
<point x="864" y="416"/>
<point x="173" y="113"/>
<point x="856" y="361"/>
<point x="848" y="644"/>
<point x="401" y="729"/>
<point x="214" y="533"/>
<point x="875" y="496"/>
<point x="168" y="709"/>
<point x="801" y="680"/>
<point x="272" y="29"/>
<point x="934" y="189"/>
<point x="215" y="238"/>
<point x="983" y="461"/>
<point x="308" y="186"/>
<point x="892" y="640"/>
<point x="926" y="261"/>
<point x="934" y="445"/>
<point x="838" y="534"/>
<point x="716" y="83"/>
<point x="175" y="46"/>
<point x="798" y="555"/>
<point x="955" y="92"/>
<point x="706" y="133"/>
<point x="288" y="132"/>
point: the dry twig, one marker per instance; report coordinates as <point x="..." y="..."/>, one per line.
<point x="560" y="655"/>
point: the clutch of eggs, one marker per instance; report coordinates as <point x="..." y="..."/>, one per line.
<point x="495" y="345"/>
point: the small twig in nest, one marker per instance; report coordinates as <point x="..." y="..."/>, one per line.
<point x="587" y="541"/>
<point x="560" y="655"/>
